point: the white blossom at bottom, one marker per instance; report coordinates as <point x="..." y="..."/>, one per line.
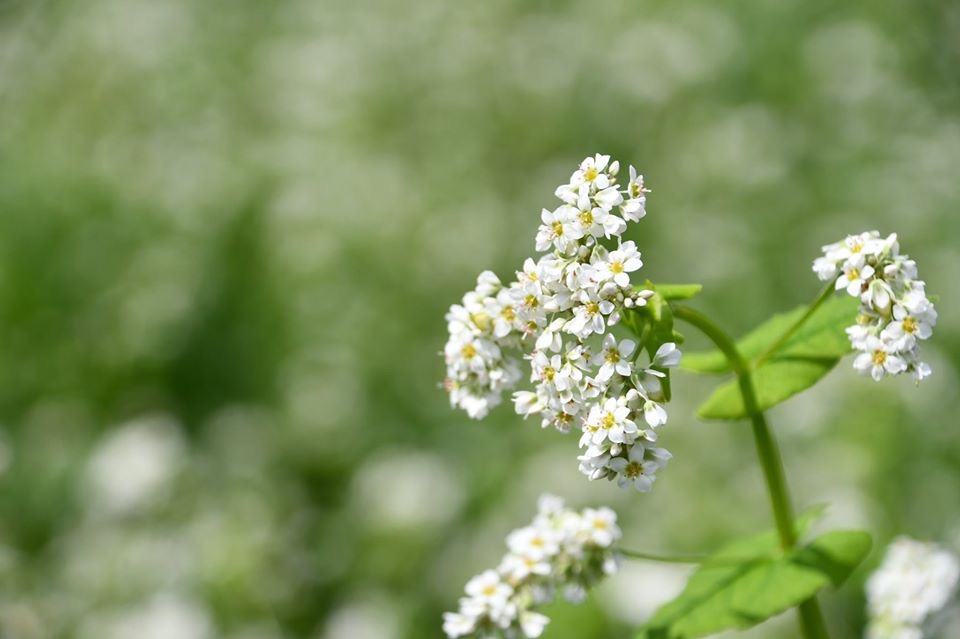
<point x="915" y="580"/>
<point x="562" y="550"/>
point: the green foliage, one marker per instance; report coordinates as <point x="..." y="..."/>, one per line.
<point x="775" y="381"/>
<point x="780" y="371"/>
<point x="653" y="322"/>
<point x="750" y="581"/>
<point x="821" y="336"/>
<point x="676" y="292"/>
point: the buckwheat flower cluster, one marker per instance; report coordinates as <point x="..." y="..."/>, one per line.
<point x="482" y="327"/>
<point x="895" y="314"/>
<point x="914" y="581"/>
<point x="558" y="315"/>
<point x="561" y="550"/>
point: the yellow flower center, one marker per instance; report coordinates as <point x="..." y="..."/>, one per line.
<point x="590" y="174"/>
<point x="469" y="351"/>
<point x="616" y="267"/>
<point x="531" y="301"/>
<point x="593" y="308"/>
<point x="548" y="373"/>
<point x="879" y="358"/>
<point x="633" y="470"/>
<point x="608" y="421"/>
<point x="586" y="217"/>
<point x="600" y="524"/>
<point x="508" y="314"/>
<point x="557" y="229"/>
<point x="909" y="325"/>
<point x="489" y="590"/>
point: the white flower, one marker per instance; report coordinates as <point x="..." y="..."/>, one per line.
<point x="588" y="318"/>
<point x="549" y="315"/>
<point x="879" y="359"/>
<point x="593" y="462"/>
<point x="609" y="423"/>
<point x="858" y="334"/>
<point x="488" y="589"/>
<point x="533" y="623"/>
<point x="634" y="470"/>
<point x="456" y="624"/>
<point x="633" y="208"/>
<point x="614" y="358"/>
<point x="559" y="229"/>
<point x="854" y="277"/>
<point x="654" y="413"/>
<point x="877" y="294"/>
<point x="667" y="356"/>
<point x="908" y="327"/>
<point x="600" y="526"/>
<point x="517" y="567"/>
<point x="591" y="173"/>
<point x="825" y="268"/>
<point x="618" y="264"/>
<point x="487" y="284"/>
<point x="534" y="542"/>
<point x="606" y="199"/>
<point x="895" y="312"/>
<point x="914" y="581"/>
<point x="549" y="505"/>
<point x="526" y="403"/>
<point x="595" y="220"/>
<point x="561" y="549"/>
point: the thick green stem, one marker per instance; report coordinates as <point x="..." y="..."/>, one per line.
<point x="811" y="619"/>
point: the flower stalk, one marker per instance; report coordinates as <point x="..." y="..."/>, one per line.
<point x="811" y="618"/>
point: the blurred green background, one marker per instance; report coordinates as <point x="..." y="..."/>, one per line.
<point x="229" y="232"/>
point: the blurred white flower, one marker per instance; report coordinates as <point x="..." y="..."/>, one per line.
<point x="562" y="549"/>
<point x="372" y="617"/>
<point x="390" y="489"/>
<point x="914" y="581"/>
<point x="640" y="588"/>
<point x="134" y="464"/>
<point x="164" y="616"/>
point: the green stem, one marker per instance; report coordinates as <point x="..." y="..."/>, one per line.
<point x="811" y="619"/>
<point x="824" y="295"/>
<point x="669" y="559"/>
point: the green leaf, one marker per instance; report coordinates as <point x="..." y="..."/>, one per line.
<point x="796" y="364"/>
<point x="823" y="335"/>
<point x="676" y="292"/>
<point x="775" y="381"/>
<point x="653" y="322"/>
<point x="725" y="594"/>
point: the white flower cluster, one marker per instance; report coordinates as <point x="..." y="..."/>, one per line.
<point x="558" y="313"/>
<point x="895" y="313"/>
<point x="561" y="549"/>
<point x="914" y="581"/>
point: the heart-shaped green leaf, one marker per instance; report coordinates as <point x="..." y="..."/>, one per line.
<point x="775" y="381"/>
<point x="822" y="336"/>
<point x="724" y="594"/>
